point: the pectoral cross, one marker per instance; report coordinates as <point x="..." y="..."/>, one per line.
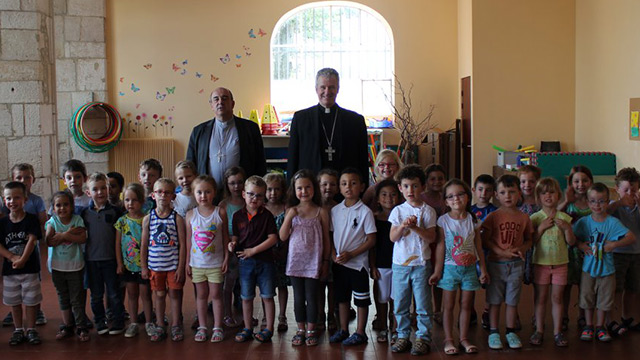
<point x="330" y="151"/>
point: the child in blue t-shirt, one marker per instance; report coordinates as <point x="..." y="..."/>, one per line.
<point x="65" y="233"/>
<point x="598" y="235"/>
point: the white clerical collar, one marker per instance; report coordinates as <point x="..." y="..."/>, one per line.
<point x="224" y="124"/>
<point x="327" y="110"/>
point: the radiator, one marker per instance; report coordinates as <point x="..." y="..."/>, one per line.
<point x="126" y="157"/>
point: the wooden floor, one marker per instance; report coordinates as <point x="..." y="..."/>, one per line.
<point x="118" y="347"/>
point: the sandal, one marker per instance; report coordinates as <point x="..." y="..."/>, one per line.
<point x="244" y="335"/>
<point x="263" y="336"/>
<point x="201" y="334"/>
<point x="177" y="334"/>
<point x="83" y="334"/>
<point x="218" y="335"/>
<point x="560" y="340"/>
<point x="64" y="332"/>
<point x="312" y="338"/>
<point x="298" y="339"/>
<point x="394" y="337"/>
<point x="383" y="336"/>
<point x="230" y="322"/>
<point x="617" y="329"/>
<point x="536" y="338"/>
<point x="467" y="347"/>
<point x="282" y="324"/>
<point x="449" y="347"/>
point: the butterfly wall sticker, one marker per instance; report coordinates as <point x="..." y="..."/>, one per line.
<point x="147" y="66"/>
<point x="160" y="96"/>
<point x="198" y="75"/>
<point x="134" y="88"/>
<point x="175" y="67"/>
<point x="214" y="78"/>
<point x="171" y="90"/>
<point x="251" y="34"/>
<point x="261" y="33"/>
<point x="225" y="59"/>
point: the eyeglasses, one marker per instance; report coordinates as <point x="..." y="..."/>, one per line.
<point x="387" y="165"/>
<point x="253" y="195"/>
<point x="453" y="196"/>
<point x="597" y="202"/>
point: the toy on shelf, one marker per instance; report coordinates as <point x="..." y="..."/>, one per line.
<point x="240" y="114"/>
<point x="516" y="158"/>
<point x="270" y="122"/>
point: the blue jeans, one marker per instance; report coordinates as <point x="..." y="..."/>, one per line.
<point x="408" y="280"/>
<point x="101" y="275"/>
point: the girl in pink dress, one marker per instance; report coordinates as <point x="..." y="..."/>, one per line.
<point x="306" y="226"/>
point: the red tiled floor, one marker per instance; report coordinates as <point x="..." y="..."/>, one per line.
<point x="118" y="347"/>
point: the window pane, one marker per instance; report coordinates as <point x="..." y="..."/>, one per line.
<point x="354" y="41"/>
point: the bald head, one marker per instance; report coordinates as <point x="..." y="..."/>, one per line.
<point x="222" y="103"/>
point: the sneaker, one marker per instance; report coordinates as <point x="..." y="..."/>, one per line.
<point x="339" y="336"/>
<point x="116" y="330"/>
<point x="513" y="340"/>
<point x="355" y="339"/>
<point x="148" y="328"/>
<point x="8" y="320"/>
<point x="17" y="337"/>
<point x="420" y="347"/>
<point x="40" y="318"/>
<point x="33" y="338"/>
<point x="102" y="328"/>
<point x="401" y="345"/>
<point x="603" y="335"/>
<point x="495" y="342"/>
<point x="158" y="334"/>
<point x="587" y="334"/>
<point x="132" y="330"/>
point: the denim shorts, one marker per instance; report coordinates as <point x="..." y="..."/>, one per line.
<point x="257" y="272"/>
<point x="456" y="277"/>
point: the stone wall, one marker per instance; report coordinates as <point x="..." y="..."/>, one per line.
<point x="80" y="54"/>
<point x="52" y="60"/>
<point x="27" y="93"/>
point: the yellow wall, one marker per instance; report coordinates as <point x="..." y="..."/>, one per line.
<point x="523" y="75"/>
<point x="465" y="38"/>
<point x="162" y="32"/>
<point x="607" y="75"/>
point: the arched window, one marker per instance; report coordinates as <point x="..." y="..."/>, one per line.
<point x="349" y="37"/>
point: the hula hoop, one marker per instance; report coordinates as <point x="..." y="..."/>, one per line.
<point x="108" y="140"/>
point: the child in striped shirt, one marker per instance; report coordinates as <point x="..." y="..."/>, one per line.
<point x="163" y="256"/>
